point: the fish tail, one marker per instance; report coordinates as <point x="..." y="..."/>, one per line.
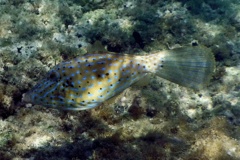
<point x="191" y="67"/>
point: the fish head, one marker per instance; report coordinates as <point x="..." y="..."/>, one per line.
<point x="48" y="91"/>
<point x="57" y="90"/>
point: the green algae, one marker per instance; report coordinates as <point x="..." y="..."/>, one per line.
<point x="5" y="139"/>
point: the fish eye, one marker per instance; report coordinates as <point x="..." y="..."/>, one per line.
<point x="53" y="76"/>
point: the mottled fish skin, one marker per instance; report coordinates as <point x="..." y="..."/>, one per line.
<point x="88" y="81"/>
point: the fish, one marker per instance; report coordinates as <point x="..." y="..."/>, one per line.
<point x="88" y="81"/>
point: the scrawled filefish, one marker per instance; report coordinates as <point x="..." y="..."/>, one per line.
<point x="87" y="81"/>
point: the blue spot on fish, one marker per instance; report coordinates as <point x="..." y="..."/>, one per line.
<point x="91" y="86"/>
<point x="70" y="67"/>
<point x="101" y="89"/>
<point x="101" y="62"/>
<point x="111" y="86"/>
<point x="90" y="95"/>
<point x="74" y="89"/>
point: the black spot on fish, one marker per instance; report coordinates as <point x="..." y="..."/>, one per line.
<point x="53" y="76"/>
<point x="68" y="83"/>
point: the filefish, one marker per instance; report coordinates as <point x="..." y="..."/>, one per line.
<point x="87" y="81"/>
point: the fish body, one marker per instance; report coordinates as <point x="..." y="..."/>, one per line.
<point x="86" y="82"/>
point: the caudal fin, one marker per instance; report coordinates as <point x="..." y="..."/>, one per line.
<point x="188" y="66"/>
